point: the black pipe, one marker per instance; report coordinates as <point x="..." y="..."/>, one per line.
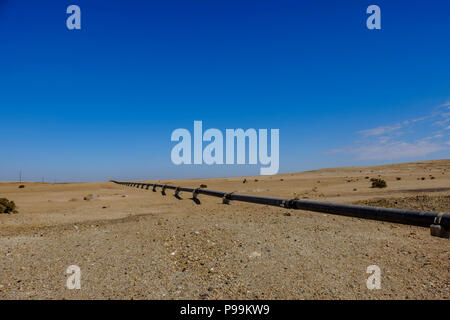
<point x="409" y="217"/>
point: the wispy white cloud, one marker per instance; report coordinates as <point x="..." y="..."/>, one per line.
<point x="379" y="130"/>
<point x="410" y="138"/>
<point x="444" y="119"/>
<point x="396" y="150"/>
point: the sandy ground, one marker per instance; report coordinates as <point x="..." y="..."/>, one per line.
<point x="136" y="244"/>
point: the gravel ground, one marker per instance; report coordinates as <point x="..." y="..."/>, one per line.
<point x="136" y="244"/>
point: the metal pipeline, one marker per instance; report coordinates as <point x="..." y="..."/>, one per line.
<point x="439" y="223"/>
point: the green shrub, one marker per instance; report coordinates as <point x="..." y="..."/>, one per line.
<point x="7" y="206"/>
<point x="378" y="183"/>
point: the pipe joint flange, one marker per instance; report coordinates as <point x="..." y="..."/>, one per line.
<point x="195" y="193"/>
<point x="437" y="230"/>
<point x="288" y="204"/>
<point x="226" y="198"/>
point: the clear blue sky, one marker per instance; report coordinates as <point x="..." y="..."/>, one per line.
<point x="102" y="102"/>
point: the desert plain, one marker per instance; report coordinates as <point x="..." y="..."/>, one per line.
<point x="137" y="244"/>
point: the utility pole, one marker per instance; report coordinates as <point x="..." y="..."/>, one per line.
<point x="20" y="176"/>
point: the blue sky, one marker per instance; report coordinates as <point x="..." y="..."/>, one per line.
<point x="102" y="102"/>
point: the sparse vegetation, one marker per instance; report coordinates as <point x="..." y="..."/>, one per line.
<point x="398" y="178"/>
<point x="203" y="186"/>
<point x="244" y="181"/>
<point x="21" y="186"/>
<point x="378" y="183"/>
<point x="90" y="197"/>
<point x="7" y="206"/>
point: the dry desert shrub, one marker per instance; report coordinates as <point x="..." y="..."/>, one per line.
<point x="7" y="206"/>
<point x="90" y="197"/>
<point x="378" y="183"/>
